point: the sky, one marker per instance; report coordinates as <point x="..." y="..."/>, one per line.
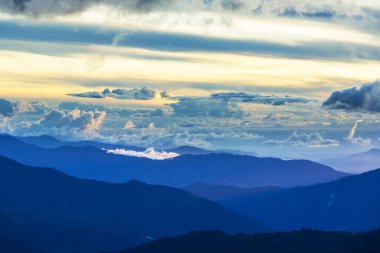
<point x="289" y="78"/>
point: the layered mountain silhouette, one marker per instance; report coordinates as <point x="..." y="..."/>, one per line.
<point x="304" y="241"/>
<point x="47" y="141"/>
<point x="350" y="204"/>
<point x="223" y="169"/>
<point x="60" y="213"/>
<point x="356" y="163"/>
<point x="222" y="193"/>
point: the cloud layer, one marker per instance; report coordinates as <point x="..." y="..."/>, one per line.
<point x="294" y="8"/>
<point x="366" y="98"/>
<point x="258" y="98"/>
<point x="206" y="107"/>
<point x="208" y="122"/>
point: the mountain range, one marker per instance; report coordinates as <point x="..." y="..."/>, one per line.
<point x="60" y="213"/>
<point x="349" y="204"/>
<point x="356" y="163"/>
<point x="47" y="141"/>
<point x="94" y="163"/>
<point x="223" y="194"/>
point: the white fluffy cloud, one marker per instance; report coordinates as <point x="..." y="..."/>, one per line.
<point x="148" y="153"/>
<point x="362" y="141"/>
<point x="75" y="120"/>
<point x="129" y="125"/>
<point x="314" y="140"/>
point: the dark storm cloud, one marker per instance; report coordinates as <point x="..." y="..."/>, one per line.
<point x="366" y="98"/>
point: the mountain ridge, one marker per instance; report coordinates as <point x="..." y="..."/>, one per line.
<point x="349" y="204"/>
<point x="93" y="163"/>
<point x="104" y="215"/>
<point x="356" y="163"/>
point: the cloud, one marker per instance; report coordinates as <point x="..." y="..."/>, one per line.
<point x="185" y="38"/>
<point x="362" y="141"/>
<point x="128" y="125"/>
<point x="258" y="99"/>
<point x="311" y="9"/>
<point x="207" y="122"/>
<point x="157" y="113"/>
<point x="145" y="93"/>
<point x="90" y="94"/>
<point x="313" y="140"/>
<point x="148" y="153"/>
<point x="365" y="98"/>
<point x="72" y="121"/>
<point x="351" y="134"/>
<point x="70" y="106"/>
<point x="357" y="140"/>
<point x="8" y="108"/>
<point x="206" y="107"/>
<point x="5" y="126"/>
<point x="293" y="8"/>
<point x="64" y="7"/>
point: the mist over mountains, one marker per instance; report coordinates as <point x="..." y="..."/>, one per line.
<point x="356" y="163"/>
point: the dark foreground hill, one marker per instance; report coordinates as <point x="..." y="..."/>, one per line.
<point x="224" y="169"/>
<point x="304" y="241"/>
<point x="350" y="204"/>
<point x="12" y="246"/>
<point x="61" y="213"/>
